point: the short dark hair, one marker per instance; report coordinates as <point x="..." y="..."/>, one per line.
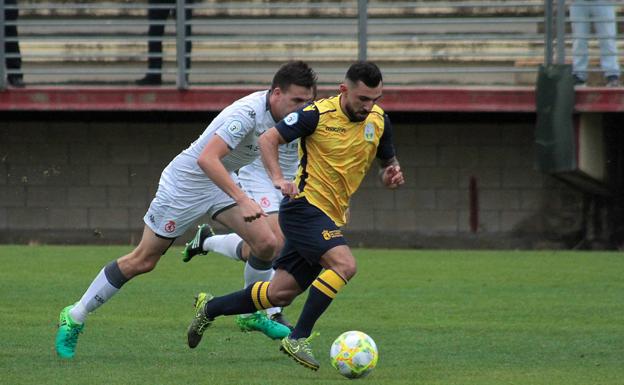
<point x="365" y="71"/>
<point x="294" y="72"/>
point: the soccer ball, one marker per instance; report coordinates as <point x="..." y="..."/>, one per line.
<point x="354" y="354"/>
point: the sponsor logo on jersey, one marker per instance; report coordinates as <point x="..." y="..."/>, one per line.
<point x="329" y="234"/>
<point x="170" y="227"/>
<point x="369" y="132"/>
<point x="291" y="119"/>
<point x="339" y="130"/>
<point x="235" y="126"/>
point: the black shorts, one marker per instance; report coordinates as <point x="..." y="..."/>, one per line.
<point x="309" y="234"/>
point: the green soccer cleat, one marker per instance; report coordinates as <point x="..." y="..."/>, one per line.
<point x="279" y="317"/>
<point x="258" y="321"/>
<point x="67" y="334"/>
<point x="301" y="351"/>
<point x="194" y="247"/>
<point x="200" y="321"/>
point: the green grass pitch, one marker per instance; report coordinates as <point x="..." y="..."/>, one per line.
<point x="438" y="317"/>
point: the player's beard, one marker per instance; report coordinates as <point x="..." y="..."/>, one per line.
<point x="356" y="116"/>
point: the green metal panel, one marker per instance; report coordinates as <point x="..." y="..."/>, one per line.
<point x="554" y="131"/>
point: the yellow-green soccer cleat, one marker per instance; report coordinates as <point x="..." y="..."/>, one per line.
<point x="259" y="322"/>
<point x="67" y="334"/>
<point x="200" y="321"/>
<point x="194" y="247"/>
<point x="301" y="351"/>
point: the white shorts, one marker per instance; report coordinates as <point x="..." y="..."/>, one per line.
<point x="260" y="188"/>
<point x="173" y="210"/>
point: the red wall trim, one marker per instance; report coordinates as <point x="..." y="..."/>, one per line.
<point x="402" y="99"/>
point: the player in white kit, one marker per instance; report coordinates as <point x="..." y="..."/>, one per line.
<point x="201" y="180"/>
<point x="257" y="184"/>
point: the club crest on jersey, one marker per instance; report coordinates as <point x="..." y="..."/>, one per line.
<point x="369" y="132"/>
<point x="235" y="126"/>
<point x="291" y="118"/>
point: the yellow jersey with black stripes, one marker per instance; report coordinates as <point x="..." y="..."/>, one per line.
<point x="334" y="152"/>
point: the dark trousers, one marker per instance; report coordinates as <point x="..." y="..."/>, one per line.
<point x="10" y="31"/>
<point x="156" y="32"/>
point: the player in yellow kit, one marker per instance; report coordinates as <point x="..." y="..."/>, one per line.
<point x="340" y="137"/>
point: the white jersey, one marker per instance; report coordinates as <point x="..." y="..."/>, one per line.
<point x="185" y="192"/>
<point x="239" y="125"/>
<point x="258" y="185"/>
<point x="288" y="161"/>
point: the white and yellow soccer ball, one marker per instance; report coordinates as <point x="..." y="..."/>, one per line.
<point x="354" y="354"/>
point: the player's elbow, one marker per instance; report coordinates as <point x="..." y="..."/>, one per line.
<point x="203" y="163"/>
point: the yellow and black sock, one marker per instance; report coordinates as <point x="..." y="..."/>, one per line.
<point x="260" y="295"/>
<point x="322" y="291"/>
<point x="253" y="297"/>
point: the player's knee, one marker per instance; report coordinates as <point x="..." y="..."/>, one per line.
<point x="279" y="241"/>
<point x="346" y="269"/>
<point x="279" y="245"/>
<point x="350" y="272"/>
<point x="265" y="248"/>
<point x="341" y="261"/>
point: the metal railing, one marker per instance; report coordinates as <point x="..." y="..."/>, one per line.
<point x="238" y="42"/>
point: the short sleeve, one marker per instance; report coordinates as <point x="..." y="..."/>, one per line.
<point x="236" y="127"/>
<point x="299" y="123"/>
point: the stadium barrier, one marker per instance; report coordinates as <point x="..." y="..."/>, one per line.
<point x="242" y="42"/>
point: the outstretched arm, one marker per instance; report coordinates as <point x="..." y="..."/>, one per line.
<point x="269" y="142"/>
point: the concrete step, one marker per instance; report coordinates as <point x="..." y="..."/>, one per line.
<point x="449" y="42"/>
<point x="227" y="51"/>
<point x="288" y="8"/>
<point x="245" y="73"/>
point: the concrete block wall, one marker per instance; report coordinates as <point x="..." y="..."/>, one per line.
<point x="517" y="205"/>
<point x="70" y="181"/>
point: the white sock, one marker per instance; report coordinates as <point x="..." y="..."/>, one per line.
<point x="96" y="295"/>
<point x="226" y="244"/>
<point x="253" y="275"/>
